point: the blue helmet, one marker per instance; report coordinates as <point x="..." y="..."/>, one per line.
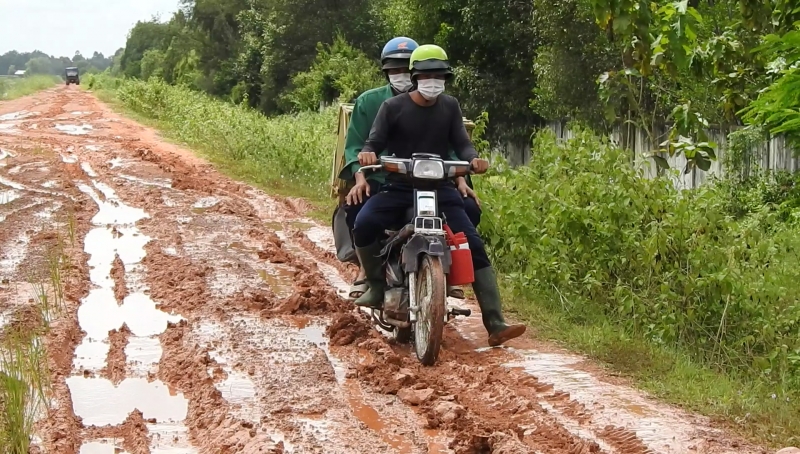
<point x="396" y="52"/>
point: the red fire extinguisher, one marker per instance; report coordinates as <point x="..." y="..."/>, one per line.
<point x="461" y="271"/>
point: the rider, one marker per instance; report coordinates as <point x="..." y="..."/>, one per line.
<point x="424" y="120"/>
<point x="394" y="63"/>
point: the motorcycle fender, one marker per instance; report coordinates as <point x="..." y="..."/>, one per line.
<point x="423" y="244"/>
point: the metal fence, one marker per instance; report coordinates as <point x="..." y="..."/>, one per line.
<point x="772" y="154"/>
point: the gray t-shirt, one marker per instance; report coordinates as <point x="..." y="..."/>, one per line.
<point x="404" y="127"/>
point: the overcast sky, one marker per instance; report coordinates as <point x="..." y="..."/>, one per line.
<point x="60" y="27"/>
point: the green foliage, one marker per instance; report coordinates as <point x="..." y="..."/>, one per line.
<point x="144" y="36"/>
<point x="574" y="51"/>
<point x="492" y="46"/>
<point x="288" y="151"/>
<point x="748" y="189"/>
<point x="340" y="72"/>
<point x="40" y="63"/>
<point x="778" y="106"/>
<point x="671" y="265"/>
<point x="19" y="87"/>
<point x="152" y="64"/>
<point x="102" y="81"/>
<point x="280" y="38"/>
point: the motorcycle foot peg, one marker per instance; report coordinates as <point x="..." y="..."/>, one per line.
<point x="464" y="312"/>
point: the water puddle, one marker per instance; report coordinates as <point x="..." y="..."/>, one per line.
<point x="372" y="419"/>
<point x="5" y="215"/>
<point x="102" y="446"/>
<point x="315" y="334"/>
<point x="99" y="313"/>
<point x="16" y="250"/>
<point x="279" y="279"/>
<point x="8" y="128"/>
<point x="328" y="272"/>
<point x="237" y="388"/>
<point x="169" y="439"/>
<point x="112" y="211"/>
<point x="322" y="238"/>
<point x="280" y="226"/>
<point x="5" y="154"/>
<point x="94" y="148"/>
<point x="88" y="169"/>
<point x="160" y="182"/>
<point x="16" y="115"/>
<point x="90" y="355"/>
<point x="11" y="184"/>
<point x="68" y="159"/>
<point x="9" y="196"/>
<point x="203" y="204"/>
<point x="75" y="130"/>
<point x="143" y="355"/>
<point x="98" y="402"/>
<point x="661" y="428"/>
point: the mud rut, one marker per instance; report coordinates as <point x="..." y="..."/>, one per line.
<point x="205" y="316"/>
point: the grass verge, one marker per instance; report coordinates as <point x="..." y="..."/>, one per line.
<point x="17" y="88"/>
<point x="753" y="408"/>
<point x="287" y="156"/>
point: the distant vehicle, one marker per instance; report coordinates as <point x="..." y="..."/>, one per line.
<point x="72" y="75"/>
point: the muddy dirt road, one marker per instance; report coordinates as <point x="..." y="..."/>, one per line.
<point x="204" y="316"/>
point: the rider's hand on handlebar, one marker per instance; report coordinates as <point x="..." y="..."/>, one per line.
<point x="480" y="165"/>
<point x="367" y="158"/>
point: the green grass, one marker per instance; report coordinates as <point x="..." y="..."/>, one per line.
<point x="19" y="87"/>
<point x="743" y="404"/>
<point x="287" y="156"/>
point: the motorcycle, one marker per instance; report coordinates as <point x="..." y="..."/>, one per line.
<point x="419" y="258"/>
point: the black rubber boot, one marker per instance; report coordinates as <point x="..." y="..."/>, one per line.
<point x="485" y="287"/>
<point x="373" y="269"/>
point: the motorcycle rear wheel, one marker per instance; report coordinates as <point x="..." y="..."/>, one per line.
<point x="431" y="301"/>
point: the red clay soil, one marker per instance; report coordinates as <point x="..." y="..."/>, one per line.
<point x="114" y="369"/>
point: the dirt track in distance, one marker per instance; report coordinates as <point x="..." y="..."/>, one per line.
<point x="205" y="316"/>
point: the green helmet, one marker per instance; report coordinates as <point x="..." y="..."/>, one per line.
<point x="429" y="59"/>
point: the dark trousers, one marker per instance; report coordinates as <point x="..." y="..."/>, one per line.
<point x="470" y="207"/>
<point x="387" y="208"/>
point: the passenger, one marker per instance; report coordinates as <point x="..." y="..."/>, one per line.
<point x="426" y="120"/>
<point x="394" y="62"/>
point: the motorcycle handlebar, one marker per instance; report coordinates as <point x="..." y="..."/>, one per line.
<point x="362" y="169"/>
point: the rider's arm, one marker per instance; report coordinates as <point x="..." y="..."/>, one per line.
<point x="459" y="139"/>
<point x="379" y="134"/>
<point x="357" y="132"/>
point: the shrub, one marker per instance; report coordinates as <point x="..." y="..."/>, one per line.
<point x="673" y="265"/>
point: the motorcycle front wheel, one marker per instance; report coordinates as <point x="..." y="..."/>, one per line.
<point x="431" y="301"/>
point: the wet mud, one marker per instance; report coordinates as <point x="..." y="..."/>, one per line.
<point x="205" y="316"/>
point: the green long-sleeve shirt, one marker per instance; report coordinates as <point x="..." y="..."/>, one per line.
<point x="364" y="112"/>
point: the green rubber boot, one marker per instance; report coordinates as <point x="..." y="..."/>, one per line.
<point x="373" y="269"/>
<point x="485" y="287"/>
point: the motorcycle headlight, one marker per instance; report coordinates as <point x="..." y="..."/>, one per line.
<point x="431" y="170"/>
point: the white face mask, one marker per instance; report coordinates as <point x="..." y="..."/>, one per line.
<point x="430" y="89"/>
<point x="401" y="82"/>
